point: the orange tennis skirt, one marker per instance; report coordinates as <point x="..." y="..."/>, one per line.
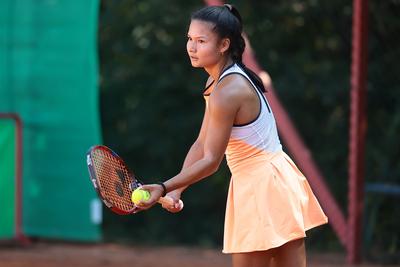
<point x="269" y="204"/>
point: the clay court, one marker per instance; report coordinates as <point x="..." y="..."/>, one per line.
<point x="46" y="254"/>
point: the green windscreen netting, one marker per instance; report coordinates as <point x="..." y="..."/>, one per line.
<point x="7" y="178"/>
<point x="48" y="75"/>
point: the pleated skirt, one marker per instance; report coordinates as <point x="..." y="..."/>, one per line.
<point x="269" y="203"/>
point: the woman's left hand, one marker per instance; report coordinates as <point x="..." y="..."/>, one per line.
<point x="155" y="191"/>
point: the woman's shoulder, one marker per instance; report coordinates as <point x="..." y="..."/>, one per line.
<point x="235" y="81"/>
<point x="232" y="87"/>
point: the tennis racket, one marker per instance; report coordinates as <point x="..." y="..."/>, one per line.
<point x="114" y="182"/>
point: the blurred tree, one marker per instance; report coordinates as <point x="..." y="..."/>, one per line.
<point x="382" y="232"/>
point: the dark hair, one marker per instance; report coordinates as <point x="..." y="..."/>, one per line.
<point x="228" y="24"/>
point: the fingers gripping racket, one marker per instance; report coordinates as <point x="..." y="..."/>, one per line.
<point x="114" y="182"/>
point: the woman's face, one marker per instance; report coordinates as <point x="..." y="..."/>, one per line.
<point x="203" y="45"/>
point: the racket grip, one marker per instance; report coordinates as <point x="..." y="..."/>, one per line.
<point x="168" y="201"/>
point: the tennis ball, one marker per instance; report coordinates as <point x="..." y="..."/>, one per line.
<point x="140" y="195"/>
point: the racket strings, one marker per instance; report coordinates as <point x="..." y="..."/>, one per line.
<point x="114" y="178"/>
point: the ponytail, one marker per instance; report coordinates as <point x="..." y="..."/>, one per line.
<point x="253" y="77"/>
<point x="237" y="55"/>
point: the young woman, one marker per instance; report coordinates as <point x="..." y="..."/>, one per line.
<point x="270" y="204"/>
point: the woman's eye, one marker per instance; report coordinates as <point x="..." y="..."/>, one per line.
<point x="201" y="41"/>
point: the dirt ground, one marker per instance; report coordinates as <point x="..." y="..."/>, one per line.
<point x="46" y="254"/>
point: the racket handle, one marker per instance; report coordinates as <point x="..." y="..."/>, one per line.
<point x="168" y="201"/>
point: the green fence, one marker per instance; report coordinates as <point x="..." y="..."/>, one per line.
<point x="49" y="76"/>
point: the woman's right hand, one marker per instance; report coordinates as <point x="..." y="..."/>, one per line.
<point x="176" y="196"/>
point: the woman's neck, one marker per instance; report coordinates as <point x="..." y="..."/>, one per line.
<point x="216" y="70"/>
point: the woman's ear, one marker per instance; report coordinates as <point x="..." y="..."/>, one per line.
<point x="225" y="44"/>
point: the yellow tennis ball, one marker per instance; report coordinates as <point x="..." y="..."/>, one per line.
<point x="139" y="195"/>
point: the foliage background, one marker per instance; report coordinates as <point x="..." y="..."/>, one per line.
<point x="152" y="106"/>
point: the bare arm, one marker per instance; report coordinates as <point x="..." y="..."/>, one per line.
<point x="223" y="106"/>
<point x="195" y="152"/>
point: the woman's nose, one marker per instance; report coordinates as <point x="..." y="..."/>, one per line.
<point x="191" y="46"/>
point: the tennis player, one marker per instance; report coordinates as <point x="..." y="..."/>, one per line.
<point x="270" y="204"/>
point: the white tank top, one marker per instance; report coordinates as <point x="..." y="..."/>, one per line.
<point x="258" y="136"/>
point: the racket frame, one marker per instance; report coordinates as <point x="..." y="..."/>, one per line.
<point x="132" y="186"/>
<point x="97" y="186"/>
